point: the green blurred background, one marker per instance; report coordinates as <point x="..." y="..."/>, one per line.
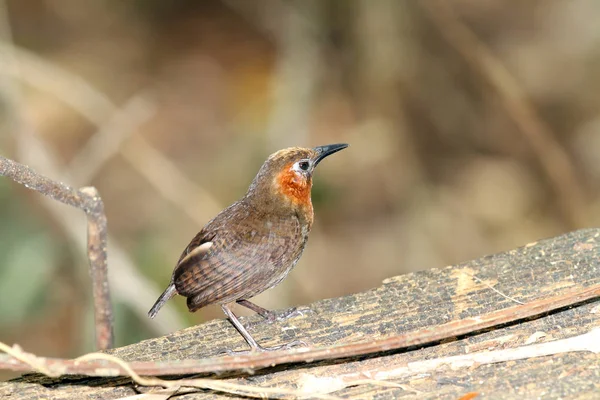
<point x="474" y="128"/>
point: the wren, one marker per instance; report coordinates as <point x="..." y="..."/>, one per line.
<point x="254" y="243"/>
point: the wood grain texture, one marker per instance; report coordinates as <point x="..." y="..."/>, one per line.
<point x="402" y="304"/>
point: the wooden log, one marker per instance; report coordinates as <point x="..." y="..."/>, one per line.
<point x="402" y="304"/>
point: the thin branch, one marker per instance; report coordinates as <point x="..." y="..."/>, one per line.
<point x="37" y="364"/>
<point x="269" y="359"/>
<point x="88" y="200"/>
<point x="95" y="106"/>
<point x="311" y="385"/>
<point x="553" y="159"/>
<point x="20" y="64"/>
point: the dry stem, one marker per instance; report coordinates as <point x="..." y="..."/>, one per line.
<point x="88" y="200"/>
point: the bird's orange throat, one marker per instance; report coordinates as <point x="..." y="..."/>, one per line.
<point x="294" y="187"/>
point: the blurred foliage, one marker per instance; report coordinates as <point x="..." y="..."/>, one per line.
<point x="28" y="255"/>
<point x="444" y="164"/>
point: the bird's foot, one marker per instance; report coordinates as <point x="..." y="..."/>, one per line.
<point x="260" y="349"/>
<point x="287" y="314"/>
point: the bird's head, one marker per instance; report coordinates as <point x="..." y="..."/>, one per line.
<point x="287" y="174"/>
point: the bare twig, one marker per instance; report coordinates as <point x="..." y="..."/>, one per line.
<point x="38" y="364"/>
<point x="88" y="200"/>
<point x="95" y="106"/>
<point x="319" y="386"/>
<point x="25" y="66"/>
<point x="262" y="360"/>
<point x="553" y="159"/>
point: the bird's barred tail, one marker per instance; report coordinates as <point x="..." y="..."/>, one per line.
<point x="169" y="292"/>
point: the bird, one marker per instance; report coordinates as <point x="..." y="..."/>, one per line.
<point x="253" y="244"/>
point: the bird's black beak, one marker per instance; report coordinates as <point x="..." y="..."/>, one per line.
<point x="324" y="151"/>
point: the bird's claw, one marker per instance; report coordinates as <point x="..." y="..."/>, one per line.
<point x="287" y="314"/>
<point x="261" y="349"/>
<point x="234" y="353"/>
<point x="295" y="343"/>
<point x="290" y="313"/>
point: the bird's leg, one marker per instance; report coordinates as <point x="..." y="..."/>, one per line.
<point x="267" y="314"/>
<point x="263" y="312"/>
<point x="254" y="346"/>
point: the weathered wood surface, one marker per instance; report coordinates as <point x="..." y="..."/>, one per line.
<point x="401" y="304"/>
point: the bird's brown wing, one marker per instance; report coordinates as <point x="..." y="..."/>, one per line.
<point x="192" y="250"/>
<point x="240" y="262"/>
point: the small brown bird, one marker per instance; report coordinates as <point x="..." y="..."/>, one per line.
<point x="253" y="244"/>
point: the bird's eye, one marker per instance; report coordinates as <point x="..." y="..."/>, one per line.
<point x="303" y="165"/>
